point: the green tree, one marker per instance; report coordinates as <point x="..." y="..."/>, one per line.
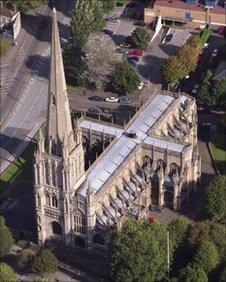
<point x="140" y="38"/>
<point x="208" y="77"/>
<point x="7" y="274"/>
<point x="216" y="198"/>
<point x="108" y="5"/>
<point x="174" y="70"/>
<point x="204" y="35"/>
<point x="178" y="232"/>
<point x="6" y="240"/>
<point x="44" y="262"/>
<point x="126" y="78"/>
<point x="219" y="91"/>
<point x="138" y="252"/>
<point x="192" y="274"/>
<point x="206" y="256"/>
<point x="207" y="231"/>
<point x="204" y="96"/>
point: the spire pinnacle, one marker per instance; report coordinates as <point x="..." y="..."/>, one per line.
<point x="59" y="119"/>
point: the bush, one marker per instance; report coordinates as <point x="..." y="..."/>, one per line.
<point x="192" y="274"/>
<point x="6" y="240"/>
<point x="206" y="256"/>
<point x="7" y="274"/>
<point x="140" y="38"/>
<point x="126" y="78"/>
<point x="25" y="259"/>
<point x="44" y="262"/>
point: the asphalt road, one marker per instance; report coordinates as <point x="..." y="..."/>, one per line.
<point x="30" y="86"/>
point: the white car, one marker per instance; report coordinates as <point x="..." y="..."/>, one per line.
<point x="112" y="99"/>
<point x="206" y="45"/>
<point x="140" y="86"/>
<point x="195" y="89"/>
<point x="214" y="53"/>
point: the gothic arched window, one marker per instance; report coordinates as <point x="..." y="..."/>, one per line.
<point x="54" y="201"/>
<point x="53" y="174"/>
<point x="47" y="196"/>
<point x="47" y="172"/>
<point x="80" y="223"/>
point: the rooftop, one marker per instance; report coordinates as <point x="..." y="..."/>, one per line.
<point x="126" y="142"/>
<point x="181" y="4"/>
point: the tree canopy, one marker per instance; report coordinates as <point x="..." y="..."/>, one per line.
<point x="216" y="198"/>
<point x="126" y="78"/>
<point x="192" y="274"/>
<point x="6" y="240"/>
<point x="7" y="274"/>
<point x="138" y="252"/>
<point x="206" y="256"/>
<point x="140" y="38"/>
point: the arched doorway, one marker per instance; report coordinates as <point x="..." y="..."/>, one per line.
<point x="98" y="239"/>
<point x="79" y="242"/>
<point x="56" y="228"/>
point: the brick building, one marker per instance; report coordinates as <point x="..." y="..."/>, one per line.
<point x="189" y="13"/>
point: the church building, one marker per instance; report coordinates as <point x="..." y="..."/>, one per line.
<point x="152" y="161"/>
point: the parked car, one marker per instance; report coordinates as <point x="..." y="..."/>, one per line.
<point x="132" y="62"/>
<point x="195" y="89"/>
<point x="221" y="30"/>
<point x="136" y="53"/>
<point x="96" y="98"/>
<point x="141" y="85"/>
<point x="125" y="100"/>
<point x="214" y="53"/>
<point x="121" y="51"/>
<point x="206" y="45"/>
<point x="112" y="100"/>
<point x="113" y="19"/>
<point x="93" y="110"/>
<point x="126" y="43"/>
<point x="134" y="58"/>
<point x="168" y="37"/>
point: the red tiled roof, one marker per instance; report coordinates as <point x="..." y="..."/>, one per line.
<point x="181" y="4"/>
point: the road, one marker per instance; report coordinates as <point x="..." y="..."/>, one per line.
<point x="30" y="88"/>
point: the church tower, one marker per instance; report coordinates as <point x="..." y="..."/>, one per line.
<point x="59" y="158"/>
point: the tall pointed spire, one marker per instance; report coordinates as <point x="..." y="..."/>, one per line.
<point x="58" y="120"/>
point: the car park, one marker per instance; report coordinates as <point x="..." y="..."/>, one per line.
<point x="195" y="89"/>
<point x="112" y="99"/>
<point x="96" y="98"/>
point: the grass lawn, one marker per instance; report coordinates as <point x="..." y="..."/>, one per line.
<point x="218" y="149"/>
<point x="20" y="170"/>
<point x="5" y="46"/>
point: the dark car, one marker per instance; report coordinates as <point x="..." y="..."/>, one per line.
<point x="132" y="62"/>
<point x="134" y="58"/>
<point x="169" y="37"/>
<point x="93" y="110"/>
<point x="125" y="100"/>
<point x="96" y="98"/>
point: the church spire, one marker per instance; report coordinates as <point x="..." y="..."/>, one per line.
<point x="59" y="119"/>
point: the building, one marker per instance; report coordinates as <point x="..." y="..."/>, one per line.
<point x="189" y="13"/>
<point x="10" y="21"/>
<point x="152" y="161"/>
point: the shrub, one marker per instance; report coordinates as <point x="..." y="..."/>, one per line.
<point x="7" y="274"/>
<point x="40" y="279"/>
<point x="44" y="262"/>
<point x="25" y="259"/>
<point x="6" y="240"/>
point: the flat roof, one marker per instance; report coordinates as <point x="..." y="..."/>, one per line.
<point x="200" y="6"/>
<point x="121" y="149"/>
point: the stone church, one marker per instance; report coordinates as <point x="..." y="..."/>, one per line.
<point x="152" y="161"/>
